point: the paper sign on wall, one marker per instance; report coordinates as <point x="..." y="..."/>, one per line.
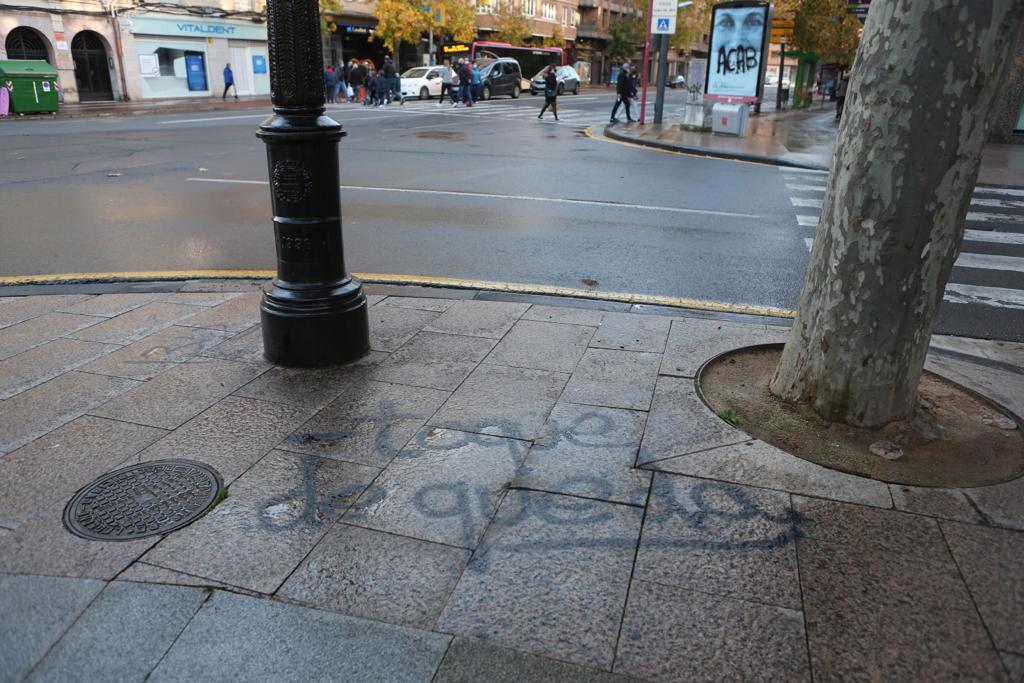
<point x="149" y="66"/>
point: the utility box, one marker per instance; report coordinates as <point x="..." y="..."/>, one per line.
<point x="33" y="85"/>
<point x="730" y="119"/>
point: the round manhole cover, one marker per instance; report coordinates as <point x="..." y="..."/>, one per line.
<point x="143" y="500"/>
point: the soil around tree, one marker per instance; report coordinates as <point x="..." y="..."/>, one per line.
<point x="954" y="438"/>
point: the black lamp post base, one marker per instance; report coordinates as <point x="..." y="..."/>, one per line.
<point x="314" y="327"/>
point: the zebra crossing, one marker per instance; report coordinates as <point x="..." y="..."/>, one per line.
<point x="509" y="110"/>
<point x="989" y="271"/>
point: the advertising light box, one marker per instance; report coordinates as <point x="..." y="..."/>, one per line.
<point x="739" y="32"/>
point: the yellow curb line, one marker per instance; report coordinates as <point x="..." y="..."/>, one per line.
<point x="420" y="280"/>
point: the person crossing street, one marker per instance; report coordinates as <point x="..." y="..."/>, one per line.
<point x="550" y="92"/>
<point x="624" y="91"/>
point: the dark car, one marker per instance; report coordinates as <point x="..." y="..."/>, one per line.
<point x="568" y="81"/>
<point x="499" y="77"/>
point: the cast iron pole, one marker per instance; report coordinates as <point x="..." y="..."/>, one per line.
<point x="314" y="312"/>
<point x="659" y="99"/>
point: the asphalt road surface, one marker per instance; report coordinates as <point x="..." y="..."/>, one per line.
<point x="488" y="193"/>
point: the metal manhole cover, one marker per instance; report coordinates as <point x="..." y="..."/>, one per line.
<point x="143" y="500"/>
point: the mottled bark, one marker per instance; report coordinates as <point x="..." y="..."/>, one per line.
<point x="906" y="161"/>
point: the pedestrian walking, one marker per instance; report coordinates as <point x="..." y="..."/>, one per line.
<point x="841" y="96"/>
<point x="229" y="82"/>
<point x="339" y="84"/>
<point x="624" y="90"/>
<point x="330" y="80"/>
<point x="466" y="83"/>
<point x="475" y="81"/>
<point x="390" y="75"/>
<point x="447" y="77"/>
<point x="358" y="76"/>
<point x="550" y="92"/>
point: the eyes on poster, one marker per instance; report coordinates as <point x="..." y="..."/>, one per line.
<point x="737" y="47"/>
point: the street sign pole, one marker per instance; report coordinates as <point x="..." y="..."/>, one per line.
<point x="647" y="63"/>
<point x="782" y="72"/>
<point x="659" y="100"/>
<point x="313" y="313"/>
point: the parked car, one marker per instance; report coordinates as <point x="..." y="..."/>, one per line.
<point x="423" y="82"/>
<point x="568" y="81"/>
<point x="677" y="81"/>
<point x="499" y="77"/>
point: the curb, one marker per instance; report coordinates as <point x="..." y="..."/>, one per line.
<point x="708" y="152"/>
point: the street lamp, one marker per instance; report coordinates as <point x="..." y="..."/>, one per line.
<point x="314" y="312"/>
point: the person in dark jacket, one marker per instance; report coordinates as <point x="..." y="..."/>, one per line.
<point x="330" y="80"/>
<point x="550" y="92"/>
<point x="466" y="83"/>
<point x="841" y="89"/>
<point x="390" y="75"/>
<point x="358" y="82"/>
<point x="624" y="90"/>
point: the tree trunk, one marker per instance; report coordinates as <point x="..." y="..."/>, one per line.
<point x="905" y="164"/>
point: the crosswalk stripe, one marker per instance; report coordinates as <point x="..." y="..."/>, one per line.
<point x="804" y="201"/>
<point x="994" y="237"/>
<point x="794" y="169"/>
<point x="807" y="221"/>
<point x="991" y="262"/>
<point x="983" y="217"/>
<point x="999" y="297"/>
<point x="805" y="188"/>
<point x="1006" y="191"/>
<point x="997" y="203"/>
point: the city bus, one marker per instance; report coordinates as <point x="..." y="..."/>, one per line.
<point x="531" y="59"/>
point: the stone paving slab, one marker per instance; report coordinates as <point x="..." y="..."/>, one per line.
<point x="246" y="347"/>
<point x="542" y="346"/>
<point x="631" y="332"/>
<point x="235" y="315"/>
<point x="392" y="326"/>
<point x="443" y="487"/>
<point x="35" y="366"/>
<point x="945" y="503"/>
<point x="271" y="519"/>
<point x="1003" y="504"/>
<point x="156" y="353"/>
<point x="491" y="319"/>
<point x="693" y="341"/>
<point x="122" y="635"/>
<point x="309" y="387"/>
<point x="614" y="379"/>
<point x="16" y="309"/>
<point x="141" y="322"/>
<point x="375" y="575"/>
<point x="37" y="331"/>
<point x="469" y="660"/>
<point x="37" y="610"/>
<point x="434" y="360"/>
<point x="550" y="578"/>
<point x="109" y="305"/>
<point x="564" y="315"/>
<point x="240" y="638"/>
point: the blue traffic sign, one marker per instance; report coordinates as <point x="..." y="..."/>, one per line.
<point x="662" y="24"/>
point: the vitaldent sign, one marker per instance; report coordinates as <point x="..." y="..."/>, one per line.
<point x="197" y="29"/>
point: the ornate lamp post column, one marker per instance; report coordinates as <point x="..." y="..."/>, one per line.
<point x="314" y="312"/>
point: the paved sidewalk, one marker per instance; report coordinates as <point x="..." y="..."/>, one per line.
<point x="801" y="138"/>
<point x="160" y="106"/>
<point x="504" y="489"/>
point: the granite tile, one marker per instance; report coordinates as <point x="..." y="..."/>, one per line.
<point x="156" y="353"/>
<point x="550" y="578"/>
<point x="503" y="401"/>
<point x="1002" y="385"/>
<point x="109" y="305"/>
<point x="564" y="315"/>
<point x="369" y="424"/>
<point x="435" y="361"/>
<point x="443" y="487"/>
<point x="542" y="346"/>
<point x="420" y="302"/>
<point x="673" y="634"/>
<point x="37" y="331"/>
<point x="310" y="387"/>
<point x="273" y="516"/>
<point x="492" y="319"/>
<point x="914" y="617"/>
<point x="16" y="309"/>
<point x="693" y="341"/>
<point x="236" y="315"/>
<point x="377" y="576"/>
<point x="944" y="503"/>
<point x="992" y="564"/>
<point x="140" y="572"/>
<point x="632" y="332"/>
<point x="1014" y="666"/>
<point x="230" y="436"/>
<point x="174" y="397"/>
<point x="229" y="285"/>
<point x="141" y="322"/>
<point x="374" y="299"/>
<point x="245" y="347"/>
<point x="44" y="474"/>
<point x="756" y="463"/>
<point x="35" y="412"/>
<point x="37" y="611"/>
<point x="614" y="379"/>
<point x="240" y="638"/>
<point x="208" y="299"/>
<point x="471" y="661"/>
<point x="1002" y="503"/>
<point x="720" y="538"/>
<point x="392" y="326"/>
<point x="588" y="451"/>
<point x="35" y="366"/>
<point x="94" y="648"/>
<point x="680" y="423"/>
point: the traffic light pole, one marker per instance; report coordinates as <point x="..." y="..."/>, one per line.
<point x="313" y="313"/>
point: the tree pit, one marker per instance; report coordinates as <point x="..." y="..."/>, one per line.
<point x="955" y="438"/>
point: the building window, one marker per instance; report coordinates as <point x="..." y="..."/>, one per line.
<point x="575" y="18"/>
<point x="483" y="6"/>
<point x="548" y="11"/>
<point x="528" y="7"/>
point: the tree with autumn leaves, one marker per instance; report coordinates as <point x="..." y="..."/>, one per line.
<point x="407" y="20"/>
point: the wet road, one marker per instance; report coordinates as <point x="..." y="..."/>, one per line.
<point x="486" y="193"/>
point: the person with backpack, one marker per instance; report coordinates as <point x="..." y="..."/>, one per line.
<point x="550" y="92"/>
<point x="625" y="89"/>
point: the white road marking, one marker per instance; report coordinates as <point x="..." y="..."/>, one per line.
<point x="1006" y="191"/>
<point x="809" y="241"/>
<point x="802" y="201"/>
<point x="982" y="217"/>
<point x="805" y="188"/>
<point x="994" y="237"/>
<point x="807" y="221"/>
<point x="1013" y="264"/>
<point x="485" y="195"/>
<point x="794" y="169"/>
<point x="997" y="297"/>
<point x="997" y="203"/>
<point x="261" y="115"/>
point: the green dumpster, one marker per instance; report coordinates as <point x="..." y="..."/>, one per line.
<point x="33" y="85"/>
